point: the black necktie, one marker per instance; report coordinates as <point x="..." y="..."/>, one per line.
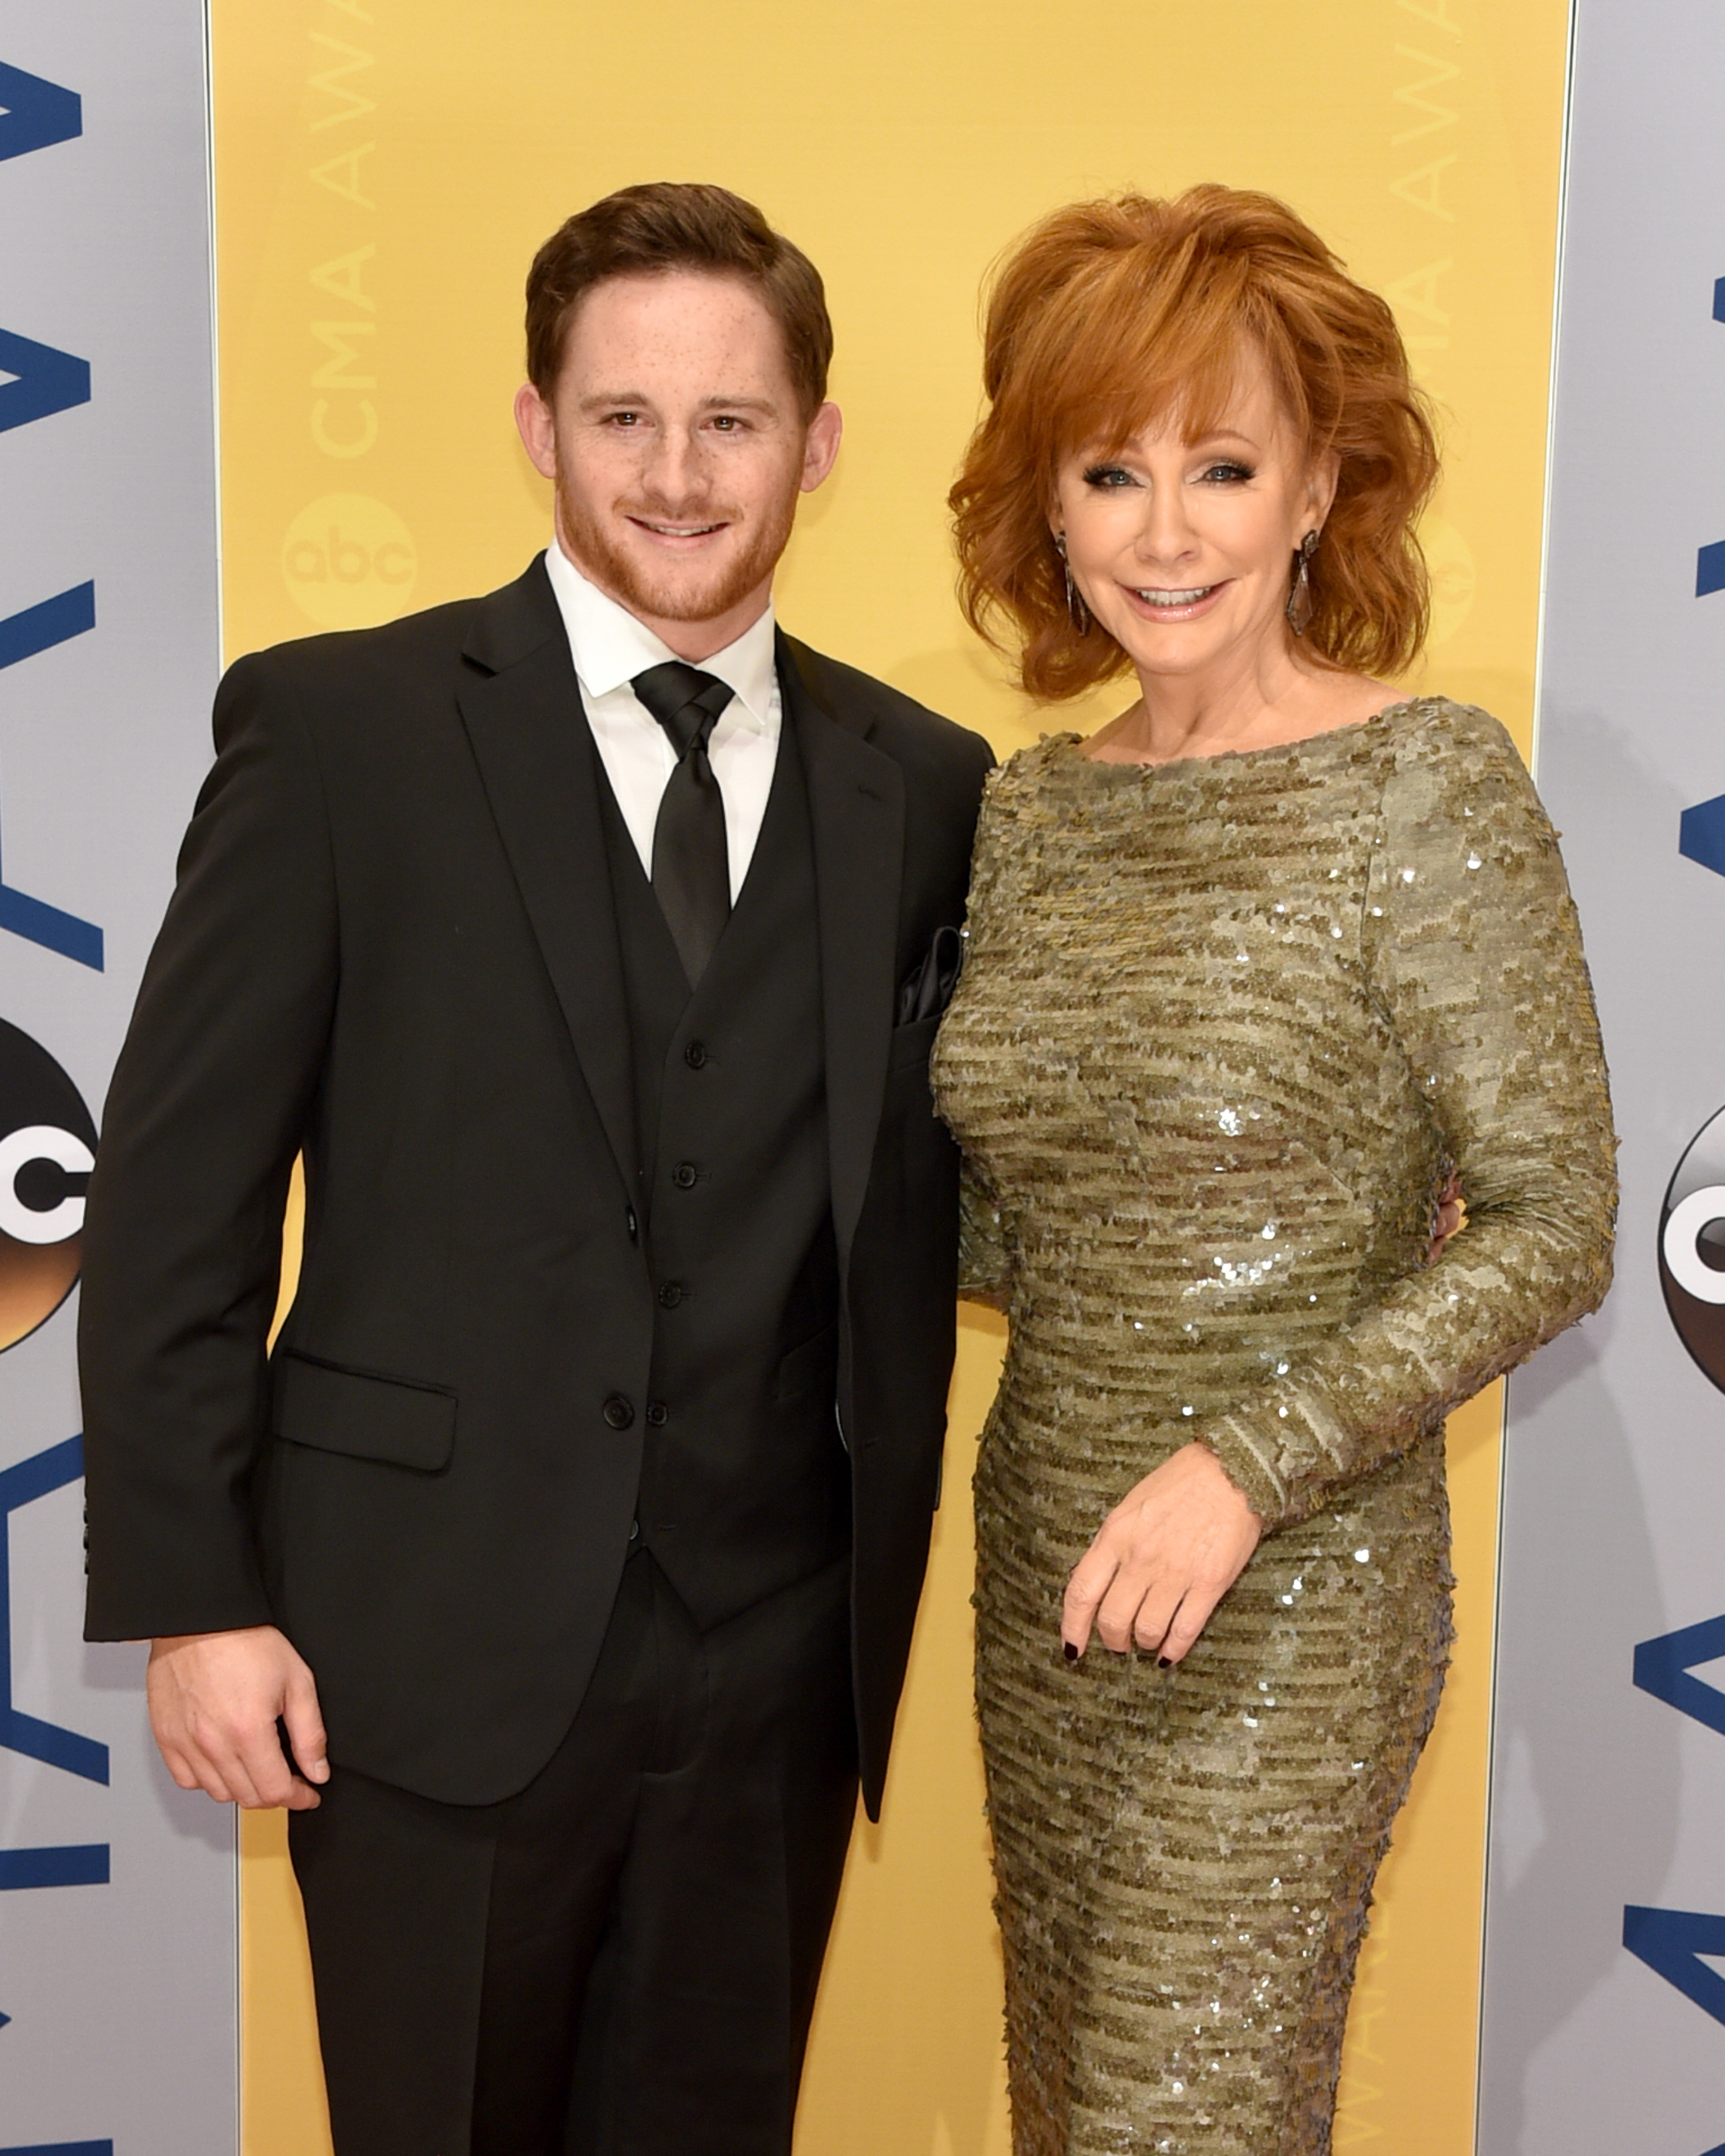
<point x="691" y="870"/>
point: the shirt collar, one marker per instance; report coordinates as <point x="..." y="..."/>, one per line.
<point x="610" y="646"/>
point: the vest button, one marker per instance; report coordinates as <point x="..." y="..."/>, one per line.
<point x="695" y="1054"/>
<point x="617" y="1412"/>
<point x="685" y="1175"/>
<point x="670" y="1294"/>
<point x="658" y="1415"/>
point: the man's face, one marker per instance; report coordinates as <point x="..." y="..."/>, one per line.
<point x="677" y="447"/>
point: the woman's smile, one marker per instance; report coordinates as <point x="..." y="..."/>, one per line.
<point x="1158" y="605"/>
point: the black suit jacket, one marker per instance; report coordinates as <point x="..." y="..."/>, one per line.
<point x="392" y="947"/>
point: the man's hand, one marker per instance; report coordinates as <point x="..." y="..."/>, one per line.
<point x="1162" y="1560"/>
<point x="214" y="1701"/>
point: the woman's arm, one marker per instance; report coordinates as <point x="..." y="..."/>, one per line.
<point x="984" y="1267"/>
<point x="1471" y="940"/>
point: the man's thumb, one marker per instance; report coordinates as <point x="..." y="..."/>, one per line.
<point x="305" y="1726"/>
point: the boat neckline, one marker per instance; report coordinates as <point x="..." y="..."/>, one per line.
<point x="1236" y="755"/>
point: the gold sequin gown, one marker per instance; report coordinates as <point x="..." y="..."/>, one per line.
<point x="1222" y="1027"/>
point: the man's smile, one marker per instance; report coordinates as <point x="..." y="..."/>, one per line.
<point x="676" y="532"/>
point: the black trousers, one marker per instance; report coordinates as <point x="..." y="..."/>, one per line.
<point x="622" y="1959"/>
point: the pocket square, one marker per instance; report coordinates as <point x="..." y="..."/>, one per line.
<point x="927" y="989"/>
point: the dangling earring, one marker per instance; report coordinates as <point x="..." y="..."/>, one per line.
<point x="1075" y="597"/>
<point x="1299" y="606"/>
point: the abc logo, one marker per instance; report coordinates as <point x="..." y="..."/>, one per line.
<point x="47" y="1150"/>
<point x="349" y="562"/>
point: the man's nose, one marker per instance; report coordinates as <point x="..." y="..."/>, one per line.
<point x="677" y="468"/>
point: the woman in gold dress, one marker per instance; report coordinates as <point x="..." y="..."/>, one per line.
<point x="1249" y="973"/>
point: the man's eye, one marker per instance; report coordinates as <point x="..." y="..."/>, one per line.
<point x="625" y="418"/>
<point x="728" y="423"/>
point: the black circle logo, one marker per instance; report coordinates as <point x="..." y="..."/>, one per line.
<point x="1691" y="1249"/>
<point x="47" y="1150"/>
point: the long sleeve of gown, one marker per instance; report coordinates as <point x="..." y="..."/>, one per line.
<point x="1471" y="942"/>
<point x="984" y="1268"/>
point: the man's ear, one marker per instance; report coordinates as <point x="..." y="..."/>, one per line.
<point x="820" y="446"/>
<point x="532" y="416"/>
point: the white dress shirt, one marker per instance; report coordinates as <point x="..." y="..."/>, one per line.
<point x="610" y="647"/>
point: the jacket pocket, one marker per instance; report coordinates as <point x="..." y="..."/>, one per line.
<point x="812" y="1367"/>
<point x="909" y="1045"/>
<point x="392" y="1419"/>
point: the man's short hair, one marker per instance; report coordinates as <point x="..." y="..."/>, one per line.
<point x="665" y="226"/>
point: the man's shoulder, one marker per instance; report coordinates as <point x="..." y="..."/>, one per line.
<point x="436" y="638"/>
<point x="893" y="721"/>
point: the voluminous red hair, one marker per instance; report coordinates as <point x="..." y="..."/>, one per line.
<point x="1107" y="317"/>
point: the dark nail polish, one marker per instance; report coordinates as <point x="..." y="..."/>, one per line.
<point x="1163" y="1663"/>
<point x="1071" y="1652"/>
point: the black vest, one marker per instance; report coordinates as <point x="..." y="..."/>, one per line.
<point x="744" y="1482"/>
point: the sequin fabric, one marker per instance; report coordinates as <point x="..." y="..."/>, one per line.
<point x="1223" y="1026"/>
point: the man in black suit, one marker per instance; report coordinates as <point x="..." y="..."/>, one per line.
<point x="588" y="940"/>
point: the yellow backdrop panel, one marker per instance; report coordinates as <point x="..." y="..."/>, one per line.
<point x="383" y="174"/>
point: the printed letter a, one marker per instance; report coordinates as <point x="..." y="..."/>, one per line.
<point x="34" y="113"/>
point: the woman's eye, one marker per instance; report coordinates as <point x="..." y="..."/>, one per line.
<point x="1226" y="474"/>
<point x="1107" y="475"/>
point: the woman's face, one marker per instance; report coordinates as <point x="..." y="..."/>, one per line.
<point x="1183" y="551"/>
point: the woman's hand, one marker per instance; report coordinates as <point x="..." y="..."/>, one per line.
<point x="1449" y="1217"/>
<point x="1162" y="1560"/>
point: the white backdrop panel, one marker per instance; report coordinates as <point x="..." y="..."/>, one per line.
<point x="1606" y="1797"/>
<point x="117" y="1961"/>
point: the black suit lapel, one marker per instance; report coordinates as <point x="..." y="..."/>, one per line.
<point x="521" y="706"/>
<point x="856" y="812"/>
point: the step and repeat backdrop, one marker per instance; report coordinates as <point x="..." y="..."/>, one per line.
<point x="339" y="199"/>
<point x="117" y="1893"/>
<point x="1606" y="1910"/>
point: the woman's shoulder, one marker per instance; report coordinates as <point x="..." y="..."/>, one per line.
<point x="1453" y="767"/>
<point x="1030" y="766"/>
<point x="1428" y="730"/>
<point x="1028" y="773"/>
